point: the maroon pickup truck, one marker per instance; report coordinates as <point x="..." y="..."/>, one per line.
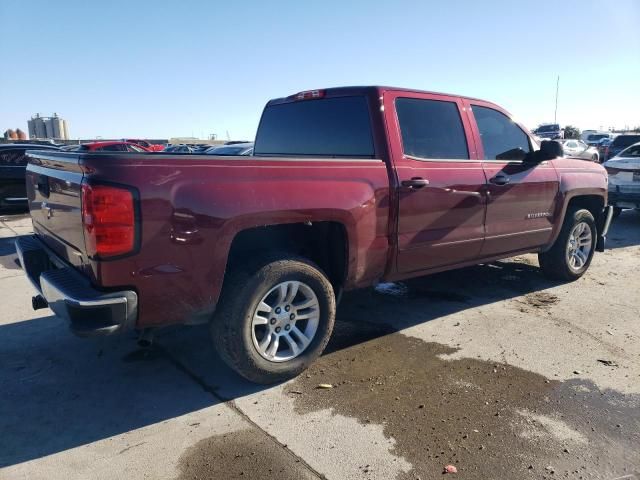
<point x="347" y="187"/>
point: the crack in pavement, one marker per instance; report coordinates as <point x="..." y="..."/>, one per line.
<point x="234" y="407"/>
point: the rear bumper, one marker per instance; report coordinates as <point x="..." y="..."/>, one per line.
<point x="70" y="295"/>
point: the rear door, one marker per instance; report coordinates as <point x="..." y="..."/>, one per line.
<point x="520" y="196"/>
<point x="440" y="196"/>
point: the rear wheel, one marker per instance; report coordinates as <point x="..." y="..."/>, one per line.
<point x="274" y="320"/>
<point x="594" y="158"/>
<point x="571" y="254"/>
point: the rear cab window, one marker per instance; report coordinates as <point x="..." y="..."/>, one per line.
<point x="335" y="127"/>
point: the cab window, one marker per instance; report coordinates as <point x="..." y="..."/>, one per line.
<point x="502" y="139"/>
<point x="431" y="129"/>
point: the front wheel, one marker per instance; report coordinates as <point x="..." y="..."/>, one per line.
<point x="274" y="320"/>
<point x="571" y="254"/>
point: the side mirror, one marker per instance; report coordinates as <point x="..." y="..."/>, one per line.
<point x="549" y="149"/>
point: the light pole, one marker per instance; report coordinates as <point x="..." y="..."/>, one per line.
<point x="555" y="114"/>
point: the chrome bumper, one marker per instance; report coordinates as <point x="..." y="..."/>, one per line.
<point x="70" y="295"/>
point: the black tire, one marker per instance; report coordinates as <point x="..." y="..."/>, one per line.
<point x="231" y="326"/>
<point x="616" y="212"/>
<point x="555" y="261"/>
<point x="594" y="158"/>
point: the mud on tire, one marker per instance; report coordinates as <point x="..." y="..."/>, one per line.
<point x="238" y="336"/>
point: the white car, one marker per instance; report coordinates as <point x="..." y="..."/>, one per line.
<point x="579" y="149"/>
<point x="624" y="179"/>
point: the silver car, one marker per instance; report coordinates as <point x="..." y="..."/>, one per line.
<point x="624" y="179"/>
<point x="233" y="149"/>
<point x="578" y="149"/>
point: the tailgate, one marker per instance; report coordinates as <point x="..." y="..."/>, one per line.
<point x="54" y="184"/>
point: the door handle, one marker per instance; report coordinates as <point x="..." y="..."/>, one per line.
<point x="500" y="179"/>
<point x="415" y="183"/>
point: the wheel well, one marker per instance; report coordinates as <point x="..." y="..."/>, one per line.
<point x="593" y="203"/>
<point x="324" y="243"/>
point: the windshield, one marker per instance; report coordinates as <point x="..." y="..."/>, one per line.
<point x="548" y="128"/>
<point x="329" y="127"/>
<point x="632" y="151"/>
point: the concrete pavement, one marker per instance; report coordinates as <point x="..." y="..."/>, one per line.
<point x="493" y="369"/>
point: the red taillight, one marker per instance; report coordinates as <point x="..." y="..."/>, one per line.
<point x="308" y="95"/>
<point x="108" y="217"/>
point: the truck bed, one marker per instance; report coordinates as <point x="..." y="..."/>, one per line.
<point x="190" y="209"/>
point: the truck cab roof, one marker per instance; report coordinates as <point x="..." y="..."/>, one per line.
<point x="367" y="90"/>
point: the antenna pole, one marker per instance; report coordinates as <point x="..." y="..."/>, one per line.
<point x="555" y="113"/>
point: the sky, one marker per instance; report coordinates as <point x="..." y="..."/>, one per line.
<point x="162" y="69"/>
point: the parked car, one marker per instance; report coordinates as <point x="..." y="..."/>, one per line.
<point x="200" y="149"/>
<point x="620" y="143"/>
<point x="108" y="146"/>
<point x="232" y="149"/>
<point x="594" y="139"/>
<point x="151" y="147"/>
<point x="603" y="148"/>
<point x="585" y="133"/>
<point x="624" y="179"/>
<point x="579" y="149"/>
<point x="178" y="149"/>
<point x="549" y="131"/>
<point x="13" y="163"/>
<point x="348" y="187"/>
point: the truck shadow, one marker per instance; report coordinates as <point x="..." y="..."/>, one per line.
<point x="62" y="392"/>
<point x="372" y="313"/>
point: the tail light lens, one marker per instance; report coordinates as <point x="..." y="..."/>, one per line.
<point x="108" y="217"/>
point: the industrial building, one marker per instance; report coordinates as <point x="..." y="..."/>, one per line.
<point x="48" y="127"/>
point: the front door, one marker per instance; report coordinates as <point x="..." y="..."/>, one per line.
<point x="521" y="196"/>
<point x="441" y="203"/>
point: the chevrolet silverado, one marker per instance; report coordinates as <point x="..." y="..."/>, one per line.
<point x="346" y="187"/>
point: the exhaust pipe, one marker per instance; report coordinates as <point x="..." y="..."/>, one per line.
<point x="38" y="302"/>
